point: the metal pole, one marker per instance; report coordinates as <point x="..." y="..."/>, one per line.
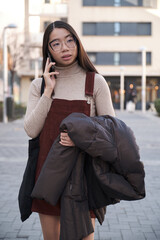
<point x="26" y="21"/>
<point x="122" y="89"/>
<point x="143" y="79"/>
<point x="5" y="72"/>
<point x="5" y="77"/>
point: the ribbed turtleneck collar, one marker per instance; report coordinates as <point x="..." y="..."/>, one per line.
<point x="68" y="70"/>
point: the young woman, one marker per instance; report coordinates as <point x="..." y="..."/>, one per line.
<point x="67" y="90"/>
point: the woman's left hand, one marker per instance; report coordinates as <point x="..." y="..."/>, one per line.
<point x="65" y="140"/>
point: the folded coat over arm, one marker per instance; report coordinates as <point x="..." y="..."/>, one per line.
<point x="109" y="139"/>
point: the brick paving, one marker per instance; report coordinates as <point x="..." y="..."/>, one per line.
<point x="135" y="220"/>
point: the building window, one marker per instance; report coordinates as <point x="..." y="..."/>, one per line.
<point x="144" y="29"/>
<point x="132" y="3"/>
<point x="116" y="28"/>
<point x="130" y="58"/>
<point x="92" y="57"/>
<point x="148" y="58"/>
<point x="105" y="58"/>
<point x="45" y="24"/>
<point x="64" y="19"/>
<point x="118" y="58"/>
<point x="118" y="3"/>
<point x="89" y="29"/>
<point x="135" y="29"/>
<point x="89" y="2"/>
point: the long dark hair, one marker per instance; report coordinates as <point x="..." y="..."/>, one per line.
<point x="82" y="56"/>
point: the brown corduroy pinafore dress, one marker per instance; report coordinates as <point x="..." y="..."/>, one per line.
<point x="60" y="109"/>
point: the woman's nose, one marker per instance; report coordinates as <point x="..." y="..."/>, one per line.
<point x="64" y="46"/>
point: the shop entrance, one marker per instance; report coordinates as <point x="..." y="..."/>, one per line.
<point x="114" y="85"/>
<point x="152" y="90"/>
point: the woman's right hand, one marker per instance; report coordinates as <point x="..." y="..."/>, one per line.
<point x="49" y="78"/>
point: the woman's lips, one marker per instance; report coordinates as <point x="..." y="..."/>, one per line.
<point x="67" y="57"/>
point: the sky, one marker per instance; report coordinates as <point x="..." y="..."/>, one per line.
<point x="12" y="11"/>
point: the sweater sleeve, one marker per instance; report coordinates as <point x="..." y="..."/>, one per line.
<point x="37" y="109"/>
<point x="102" y="97"/>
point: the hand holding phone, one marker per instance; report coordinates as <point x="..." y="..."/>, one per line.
<point x="52" y="68"/>
<point x="49" y="76"/>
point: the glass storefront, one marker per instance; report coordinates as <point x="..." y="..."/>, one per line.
<point x="114" y="85"/>
<point x="152" y="90"/>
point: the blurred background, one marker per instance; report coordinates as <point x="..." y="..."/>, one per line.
<point x="121" y="37"/>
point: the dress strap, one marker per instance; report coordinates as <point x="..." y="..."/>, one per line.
<point x="89" y="85"/>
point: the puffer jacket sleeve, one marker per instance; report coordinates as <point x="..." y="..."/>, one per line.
<point x="55" y="172"/>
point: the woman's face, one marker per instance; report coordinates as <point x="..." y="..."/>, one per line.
<point x="62" y="46"/>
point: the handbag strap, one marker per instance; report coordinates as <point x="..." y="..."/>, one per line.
<point x="42" y="86"/>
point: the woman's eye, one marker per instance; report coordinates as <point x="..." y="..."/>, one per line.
<point x="56" y="44"/>
<point x="70" y="40"/>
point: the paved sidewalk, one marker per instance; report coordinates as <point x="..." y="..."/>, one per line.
<point x="135" y="220"/>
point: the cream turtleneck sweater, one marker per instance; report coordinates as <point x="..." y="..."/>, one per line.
<point x="70" y="85"/>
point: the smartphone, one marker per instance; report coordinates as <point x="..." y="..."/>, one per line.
<point x="52" y="69"/>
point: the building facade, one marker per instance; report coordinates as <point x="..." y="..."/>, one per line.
<point x="114" y="34"/>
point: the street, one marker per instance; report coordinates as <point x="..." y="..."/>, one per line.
<point x="127" y="220"/>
